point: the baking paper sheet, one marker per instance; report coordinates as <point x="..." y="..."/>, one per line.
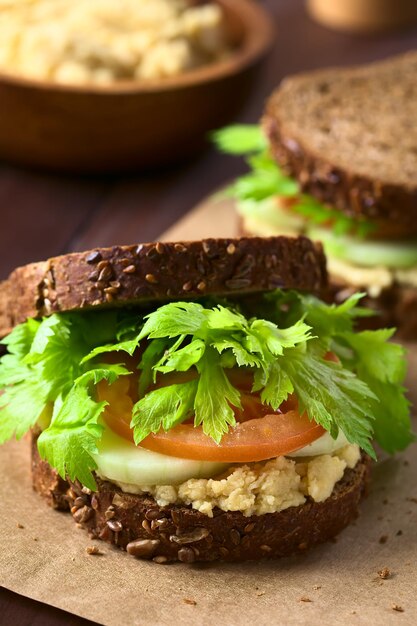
<point x="43" y="555"/>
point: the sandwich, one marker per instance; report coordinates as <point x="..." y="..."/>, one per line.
<point x="335" y="158"/>
<point x="198" y="401"/>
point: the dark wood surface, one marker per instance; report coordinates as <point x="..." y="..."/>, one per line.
<point x="44" y="215"/>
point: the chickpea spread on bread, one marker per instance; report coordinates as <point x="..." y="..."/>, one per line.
<point x="257" y="489"/>
<point x="102" y="41"/>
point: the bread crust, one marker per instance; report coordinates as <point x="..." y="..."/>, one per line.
<point x="139" y="274"/>
<point x="391" y="205"/>
<point x="179" y="533"/>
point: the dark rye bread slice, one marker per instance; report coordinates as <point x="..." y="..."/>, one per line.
<point x="179" y="533"/>
<point x="349" y="136"/>
<point x="140" y="274"/>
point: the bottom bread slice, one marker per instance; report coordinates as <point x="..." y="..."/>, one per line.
<point x="179" y="533"/>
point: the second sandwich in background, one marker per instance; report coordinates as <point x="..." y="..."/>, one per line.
<point x="336" y="159"/>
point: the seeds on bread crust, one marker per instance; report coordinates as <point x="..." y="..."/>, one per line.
<point x="140" y="274"/>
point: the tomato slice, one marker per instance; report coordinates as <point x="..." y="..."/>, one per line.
<point x="118" y="412"/>
<point x="258" y="435"/>
<point x="254" y="440"/>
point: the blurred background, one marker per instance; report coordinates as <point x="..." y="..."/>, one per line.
<point x="45" y="212"/>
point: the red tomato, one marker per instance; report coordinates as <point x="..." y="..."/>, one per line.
<point x="259" y="434"/>
<point x="254" y="440"/>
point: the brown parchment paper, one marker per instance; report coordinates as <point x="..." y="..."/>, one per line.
<point x="334" y="584"/>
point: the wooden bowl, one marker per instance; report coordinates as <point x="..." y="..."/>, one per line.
<point x="363" y="16"/>
<point x="131" y="125"/>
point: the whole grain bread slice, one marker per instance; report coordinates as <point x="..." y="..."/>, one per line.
<point x="139" y="274"/>
<point x="179" y="533"/>
<point x="349" y="136"/>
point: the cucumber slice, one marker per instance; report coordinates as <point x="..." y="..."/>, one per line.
<point x="122" y="461"/>
<point x="367" y="253"/>
<point x="268" y="213"/>
<point x="323" y="445"/>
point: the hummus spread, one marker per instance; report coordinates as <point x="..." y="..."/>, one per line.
<point x="255" y="489"/>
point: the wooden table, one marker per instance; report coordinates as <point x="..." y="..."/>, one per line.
<point x="44" y="215"/>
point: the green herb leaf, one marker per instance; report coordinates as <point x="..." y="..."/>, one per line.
<point x="21" y="406"/>
<point x="275" y="388"/>
<point x="150" y="357"/>
<point x="382" y="366"/>
<point x="240" y="139"/>
<point x="129" y="346"/>
<point x="183" y="359"/>
<point x="370" y="355"/>
<point x="163" y="408"/>
<point x="173" y="319"/>
<point x="376" y="357"/>
<point x="333" y="396"/>
<point x="19" y="341"/>
<point x="68" y="443"/>
<point x="277" y="339"/>
<point x="224" y="319"/>
<point x="72" y="437"/>
<point x="215" y="398"/>
<point x="242" y="357"/>
<point x="392" y="427"/>
<point x="56" y="352"/>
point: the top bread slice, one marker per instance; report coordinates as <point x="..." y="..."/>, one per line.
<point x="139" y="274"/>
<point x="349" y="136"/>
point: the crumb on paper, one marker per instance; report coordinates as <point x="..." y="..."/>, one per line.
<point x="399" y="533"/>
<point x="316" y="587"/>
<point x="305" y="599"/>
<point x="189" y="601"/>
<point x="35" y="539"/>
<point x="383" y="539"/>
<point x="397" y="607"/>
<point x="384" y="573"/>
<point x="260" y="593"/>
<point x="93" y="550"/>
<point x="19" y="525"/>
